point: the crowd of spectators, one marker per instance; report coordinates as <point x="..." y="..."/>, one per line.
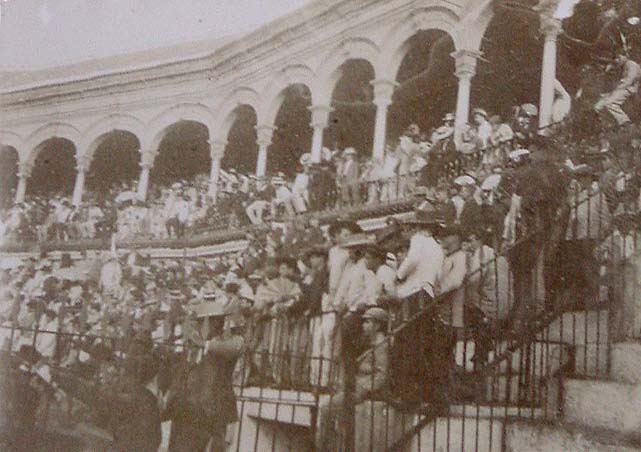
<point x="505" y="223"/>
<point x="299" y="293"/>
<point x="340" y="180"/>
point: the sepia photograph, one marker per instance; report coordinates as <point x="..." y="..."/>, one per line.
<point x="320" y="226"/>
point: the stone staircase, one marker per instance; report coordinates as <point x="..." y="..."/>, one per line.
<point x="563" y="392"/>
<point x="554" y="394"/>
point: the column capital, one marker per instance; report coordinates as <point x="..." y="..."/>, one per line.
<point x="550" y="27"/>
<point x="24" y="169"/>
<point x="383" y="91"/>
<point x="465" y="61"/>
<point x="320" y="115"/>
<point x="264" y="134"/>
<point x="217" y="149"/>
<point x="82" y="163"/>
<point x="147" y="158"/>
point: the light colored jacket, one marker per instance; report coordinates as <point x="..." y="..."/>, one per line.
<point x="358" y="285"/>
<point x="421" y="266"/>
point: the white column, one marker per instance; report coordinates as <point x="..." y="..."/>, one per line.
<point x="24" y="172"/>
<point x="146" y="162"/>
<point x="82" y="165"/>
<point x="264" y="140"/>
<point x="383" y="91"/>
<point x="320" y="118"/>
<point x="550" y="28"/>
<point x="216" y="151"/>
<point x="465" y="71"/>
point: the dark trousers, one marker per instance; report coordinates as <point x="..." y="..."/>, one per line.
<point x="188" y="436"/>
<point x="410" y="374"/>
<point x="175" y="225"/>
<point x="439" y="355"/>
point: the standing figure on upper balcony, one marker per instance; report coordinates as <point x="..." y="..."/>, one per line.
<point x="628" y="86"/>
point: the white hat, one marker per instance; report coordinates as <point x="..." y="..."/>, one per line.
<point x="231" y="278"/>
<point x="306" y="158"/>
<point x="358" y="240"/>
<point x="518" y="154"/>
<point x="479" y="111"/>
<point x="377" y="314"/>
<point x="449" y="117"/>
<point x="530" y="109"/>
<point x="209" y="309"/>
<point x="491" y="182"/>
<point x="464" y="180"/>
<point x="276" y="180"/>
<point x="326" y="153"/>
<point x="349" y="151"/>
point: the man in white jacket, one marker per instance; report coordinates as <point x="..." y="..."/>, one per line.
<point x="416" y="277"/>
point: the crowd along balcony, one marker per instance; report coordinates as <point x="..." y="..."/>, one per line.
<point x="524" y="331"/>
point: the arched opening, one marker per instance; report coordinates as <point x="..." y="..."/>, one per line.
<point x="183" y="153"/>
<point x="351" y="122"/>
<point x="242" y="150"/>
<point x="427" y="84"/>
<point x="8" y="175"/>
<point x="54" y="169"/>
<point x="293" y="134"/>
<point x="115" y="162"/>
<point x="509" y="74"/>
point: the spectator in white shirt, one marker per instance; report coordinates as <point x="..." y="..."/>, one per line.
<point x="61" y="216"/>
<point x="483" y="128"/>
<point x="283" y="197"/>
<point x="300" y="189"/>
<point x="359" y="286"/>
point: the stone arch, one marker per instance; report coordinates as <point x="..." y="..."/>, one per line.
<point x="11" y="139"/>
<point x="48" y="131"/>
<point x="9" y="169"/>
<point x="329" y="71"/>
<point x="181" y="112"/>
<point x="227" y="113"/>
<point x="471" y="30"/>
<point x="95" y="134"/>
<point x="397" y="40"/>
<point x="291" y="75"/>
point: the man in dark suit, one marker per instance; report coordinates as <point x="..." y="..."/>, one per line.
<point x="202" y="401"/>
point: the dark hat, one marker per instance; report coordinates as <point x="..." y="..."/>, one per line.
<point x="315" y="250"/>
<point x="289" y="261"/>
<point x="377" y="251"/>
<point x="65" y="260"/>
<point x="426" y="218"/>
<point x="352" y="226"/>
<point x="360" y="240"/>
<point x="450" y="230"/>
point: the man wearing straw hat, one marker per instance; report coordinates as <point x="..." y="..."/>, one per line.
<point x="201" y="402"/>
<point x="370" y="379"/>
<point x="416" y="280"/>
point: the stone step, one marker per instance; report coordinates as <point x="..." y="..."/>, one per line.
<point x="459" y="434"/>
<point x="524" y="436"/>
<point x="626" y="362"/>
<point x="513" y="389"/>
<point x="603" y="404"/>
<point x="591" y="360"/>
<point x="285" y="413"/>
